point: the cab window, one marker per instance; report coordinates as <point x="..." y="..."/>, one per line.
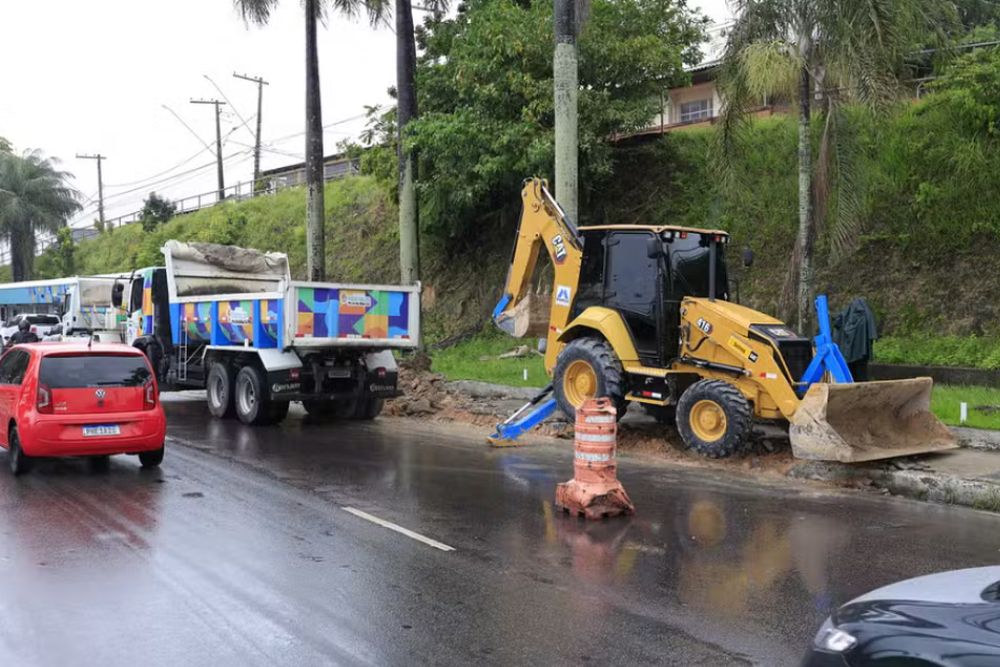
<point x="135" y="298"/>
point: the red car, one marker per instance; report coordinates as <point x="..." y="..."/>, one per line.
<point x="75" y="399"/>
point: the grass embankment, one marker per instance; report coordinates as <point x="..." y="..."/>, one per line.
<point x="963" y="351"/>
<point x="477" y="359"/>
<point x="984" y="405"/>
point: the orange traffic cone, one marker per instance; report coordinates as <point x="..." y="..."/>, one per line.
<point x="595" y="491"/>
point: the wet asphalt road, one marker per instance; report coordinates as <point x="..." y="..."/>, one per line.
<point x="238" y="552"/>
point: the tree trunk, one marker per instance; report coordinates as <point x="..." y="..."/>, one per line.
<point x="406" y="110"/>
<point x="22" y="252"/>
<point x="564" y="74"/>
<point x="315" y="210"/>
<point x="804" y="241"/>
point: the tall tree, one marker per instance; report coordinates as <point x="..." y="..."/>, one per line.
<point x="826" y="53"/>
<point x="259" y="12"/>
<point x="35" y="196"/>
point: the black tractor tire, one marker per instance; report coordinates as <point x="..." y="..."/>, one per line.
<point x="714" y="418"/>
<point x="663" y="414"/>
<point x="253" y="401"/>
<point x="152" y="458"/>
<point x="219" y="391"/>
<point x="19" y="462"/>
<point x="608" y="378"/>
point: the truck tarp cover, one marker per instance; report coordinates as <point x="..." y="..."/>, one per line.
<point x="229" y="258"/>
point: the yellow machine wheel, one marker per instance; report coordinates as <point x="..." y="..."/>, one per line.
<point x="587" y="368"/>
<point x="714" y="418"/>
<point x="579" y="382"/>
<point x="708" y="420"/>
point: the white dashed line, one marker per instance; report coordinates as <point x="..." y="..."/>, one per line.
<point x="399" y="529"/>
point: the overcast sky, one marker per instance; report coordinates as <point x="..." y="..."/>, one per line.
<point x="88" y="77"/>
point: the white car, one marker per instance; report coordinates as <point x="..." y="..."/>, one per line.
<point x="42" y="325"/>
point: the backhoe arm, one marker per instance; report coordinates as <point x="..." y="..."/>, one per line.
<point x="543" y="222"/>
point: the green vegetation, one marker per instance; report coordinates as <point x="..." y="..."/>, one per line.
<point x="983" y="402"/>
<point x="964" y="351"/>
<point x="476" y="359"/>
<point x="35" y="196"/>
<point x="486" y="103"/>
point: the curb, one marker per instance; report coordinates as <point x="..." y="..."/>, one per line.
<point x="916" y="482"/>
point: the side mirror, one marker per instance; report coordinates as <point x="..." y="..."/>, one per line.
<point x="117" y="291"/>
<point x="653" y="248"/>
<point x="747" y="257"/>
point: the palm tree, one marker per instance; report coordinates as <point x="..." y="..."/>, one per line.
<point x="259" y="11"/>
<point x="34" y="196"/>
<point x="830" y="52"/>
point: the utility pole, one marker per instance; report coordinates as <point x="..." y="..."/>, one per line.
<point x="565" y="76"/>
<point x="100" y="182"/>
<point x="218" y="142"/>
<point x="256" y="146"/>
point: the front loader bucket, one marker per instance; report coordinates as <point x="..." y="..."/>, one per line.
<point x="864" y="421"/>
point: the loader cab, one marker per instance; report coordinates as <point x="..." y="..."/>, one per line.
<point x="644" y="273"/>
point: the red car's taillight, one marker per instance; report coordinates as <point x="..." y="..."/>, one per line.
<point x="149" y="396"/>
<point x="44" y="399"/>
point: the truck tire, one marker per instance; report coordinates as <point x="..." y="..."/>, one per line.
<point x="588" y="368"/>
<point x="253" y="403"/>
<point x="219" y="391"/>
<point x="714" y="418"/>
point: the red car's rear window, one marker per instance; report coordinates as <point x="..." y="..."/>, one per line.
<point x="67" y="371"/>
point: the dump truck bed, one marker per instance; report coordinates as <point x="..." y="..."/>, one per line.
<point x="227" y="296"/>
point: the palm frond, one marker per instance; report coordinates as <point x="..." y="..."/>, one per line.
<point x="255" y="11"/>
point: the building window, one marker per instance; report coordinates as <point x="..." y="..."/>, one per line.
<point x="696" y="110"/>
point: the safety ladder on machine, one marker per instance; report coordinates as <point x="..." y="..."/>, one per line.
<point x="182" y="352"/>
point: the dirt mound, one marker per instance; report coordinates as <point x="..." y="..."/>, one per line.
<point x="428" y="395"/>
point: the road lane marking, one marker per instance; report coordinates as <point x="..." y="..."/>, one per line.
<point x="399" y="529"/>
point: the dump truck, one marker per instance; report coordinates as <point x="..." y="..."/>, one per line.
<point x="643" y="313"/>
<point x="233" y="322"/>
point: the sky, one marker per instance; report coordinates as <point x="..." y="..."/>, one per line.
<point x="99" y="77"/>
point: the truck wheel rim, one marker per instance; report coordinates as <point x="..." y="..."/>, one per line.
<point x="579" y="382"/>
<point x="247" y="398"/>
<point x="708" y="421"/>
<point x="216" y="391"/>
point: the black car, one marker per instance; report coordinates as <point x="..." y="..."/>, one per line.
<point x="950" y="619"/>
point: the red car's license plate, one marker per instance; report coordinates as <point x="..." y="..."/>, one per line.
<point x="102" y="429"/>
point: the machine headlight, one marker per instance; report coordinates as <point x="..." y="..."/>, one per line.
<point x="833" y="639"/>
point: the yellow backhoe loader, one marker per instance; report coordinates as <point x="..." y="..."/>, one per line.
<point x="642" y="313"/>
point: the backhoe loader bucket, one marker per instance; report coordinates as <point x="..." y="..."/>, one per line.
<point x="864" y="421"/>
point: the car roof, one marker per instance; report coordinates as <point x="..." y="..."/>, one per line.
<point x="46" y="349"/>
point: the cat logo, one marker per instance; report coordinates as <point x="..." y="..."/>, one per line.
<point x="560" y="248"/>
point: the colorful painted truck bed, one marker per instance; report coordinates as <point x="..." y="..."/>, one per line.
<point x="305" y="315"/>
